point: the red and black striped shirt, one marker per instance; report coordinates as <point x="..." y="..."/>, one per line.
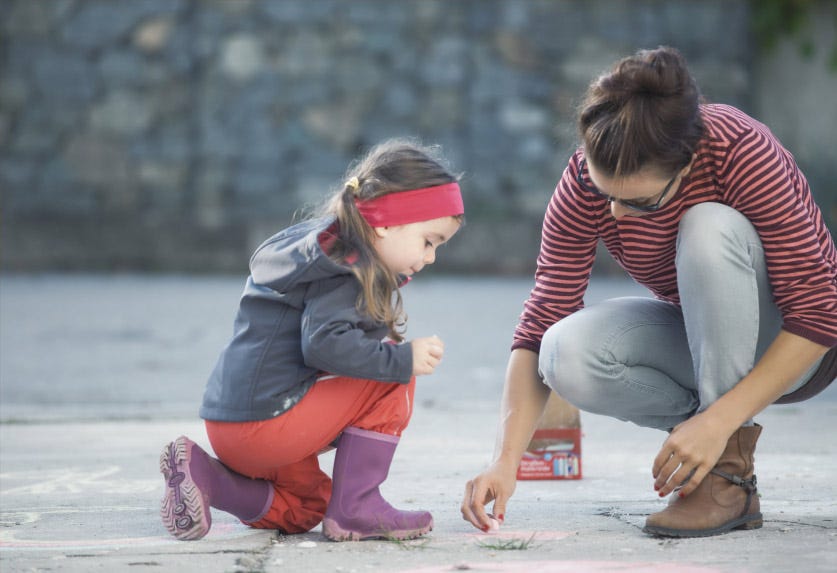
<point x="739" y="163"/>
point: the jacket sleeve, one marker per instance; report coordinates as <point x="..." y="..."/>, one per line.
<point x="337" y="339"/>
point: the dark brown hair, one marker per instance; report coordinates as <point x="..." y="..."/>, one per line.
<point x="644" y="111"/>
<point x="392" y="166"/>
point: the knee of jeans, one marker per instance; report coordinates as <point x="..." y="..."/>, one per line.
<point x="560" y="360"/>
<point x="708" y="230"/>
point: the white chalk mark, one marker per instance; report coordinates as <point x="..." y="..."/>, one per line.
<point x="74" y="481"/>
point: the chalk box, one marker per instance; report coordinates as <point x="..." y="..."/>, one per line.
<point x="552" y="454"/>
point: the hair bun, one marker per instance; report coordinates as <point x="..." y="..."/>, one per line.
<point x="655" y="73"/>
<point x="645" y="110"/>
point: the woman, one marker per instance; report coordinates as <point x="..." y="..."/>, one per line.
<point x="702" y="205"/>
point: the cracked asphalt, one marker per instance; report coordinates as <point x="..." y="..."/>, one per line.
<point x="98" y="372"/>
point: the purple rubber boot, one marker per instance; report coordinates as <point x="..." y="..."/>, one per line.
<point x="195" y="481"/>
<point x="356" y="510"/>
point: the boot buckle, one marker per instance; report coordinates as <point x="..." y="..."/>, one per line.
<point x="749" y="485"/>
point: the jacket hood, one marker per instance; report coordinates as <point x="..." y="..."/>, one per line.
<point x="293" y="257"/>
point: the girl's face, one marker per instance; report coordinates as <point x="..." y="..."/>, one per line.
<point x="405" y="249"/>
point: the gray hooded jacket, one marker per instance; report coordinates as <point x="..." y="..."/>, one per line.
<point x="296" y="320"/>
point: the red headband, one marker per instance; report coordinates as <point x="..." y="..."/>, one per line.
<point x="403" y="207"/>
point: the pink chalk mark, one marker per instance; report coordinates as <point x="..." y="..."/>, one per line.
<point x="571" y="567"/>
<point x="522" y="535"/>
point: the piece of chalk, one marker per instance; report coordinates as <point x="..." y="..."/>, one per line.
<point x="494" y="524"/>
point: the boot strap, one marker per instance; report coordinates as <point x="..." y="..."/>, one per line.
<point x="749" y="485"/>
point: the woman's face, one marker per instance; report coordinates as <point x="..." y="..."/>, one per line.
<point x="646" y="188"/>
<point x="406" y="249"/>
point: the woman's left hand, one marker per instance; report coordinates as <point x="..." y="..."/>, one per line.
<point x="690" y="452"/>
<point x="694" y="446"/>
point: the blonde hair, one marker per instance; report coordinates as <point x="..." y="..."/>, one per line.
<point x="390" y="167"/>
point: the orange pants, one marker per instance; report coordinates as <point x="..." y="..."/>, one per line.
<point x="283" y="450"/>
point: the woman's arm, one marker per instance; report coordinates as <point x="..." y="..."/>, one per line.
<point x="760" y="179"/>
<point x="786" y="360"/>
<point x="568" y="248"/>
<point x="524" y="398"/>
<point x="696" y="444"/>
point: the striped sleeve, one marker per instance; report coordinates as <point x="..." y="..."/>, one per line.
<point x="761" y="180"/>
<point x="568" y="248"/>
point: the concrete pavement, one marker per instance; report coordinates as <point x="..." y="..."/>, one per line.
<point x="99" y="372"/>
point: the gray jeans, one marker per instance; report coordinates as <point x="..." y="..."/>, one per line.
<point x="655" y="364"/>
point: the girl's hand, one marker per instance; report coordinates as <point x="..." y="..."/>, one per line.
<point x="427" y="353"/>
<point x="496" y="484"/>
<point x="690" y="452"/>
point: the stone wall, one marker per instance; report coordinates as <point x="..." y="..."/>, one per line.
<point x="175" y="135"/>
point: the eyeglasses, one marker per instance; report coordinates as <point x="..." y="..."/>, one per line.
<point x="630" y="204"/>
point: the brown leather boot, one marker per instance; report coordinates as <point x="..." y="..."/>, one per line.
<point x="726" y="499"/>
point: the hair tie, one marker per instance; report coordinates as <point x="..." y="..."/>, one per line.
<point x="354" y="185"/>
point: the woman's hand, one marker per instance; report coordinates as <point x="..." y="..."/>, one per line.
<point x="690" y="452"/>
<point x="694" y="446"/>
<point x="427" y="353"/>
<point x="524" y="398"/>
<point x="496" y="484"/>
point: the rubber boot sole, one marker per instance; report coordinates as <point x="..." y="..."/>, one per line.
<point x="753" y="521"/>
<point x="333" y="531"/>
<point x="183" y="509"/>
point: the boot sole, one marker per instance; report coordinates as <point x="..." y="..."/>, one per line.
<point x="333" y="531"/>
<point x="183" y="510"/>
<point x="753" y="521"/>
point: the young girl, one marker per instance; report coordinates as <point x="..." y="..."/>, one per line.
<point x="318" y="359"/>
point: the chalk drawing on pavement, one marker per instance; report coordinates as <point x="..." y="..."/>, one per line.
<point x="75" y="480"/>
<point x="14" y="536"/>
